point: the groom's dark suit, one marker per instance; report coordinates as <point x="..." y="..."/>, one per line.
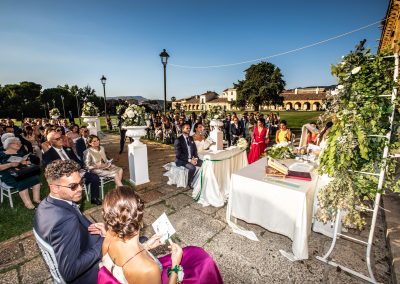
<point x="185" y="149"/>
<point x="64" y="228"/>
<point x="90" y="178"/>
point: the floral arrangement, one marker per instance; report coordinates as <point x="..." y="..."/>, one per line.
<point x="282" y="150"/>
<point x="242" y="143"/>
<point x="134" y="115"/>
<point x="54" y="112"/>
<point x="216" y="112"/>
<point x="360" y="109"/>
<point x="120" y="109"/>
<point x="89" y="109"/>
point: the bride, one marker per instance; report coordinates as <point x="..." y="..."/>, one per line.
<point x="202" y="144"/>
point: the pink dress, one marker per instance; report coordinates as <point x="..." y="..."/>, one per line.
<point x="258" y="144"/>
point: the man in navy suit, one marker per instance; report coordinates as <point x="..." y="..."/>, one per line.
<point x="76" y="242"/>
<point x="57" y="152"/>
<point x="236" y="131"/>
<point x="80" y="143"/>
<point x="186" y="153"/>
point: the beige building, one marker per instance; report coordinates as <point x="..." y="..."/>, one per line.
<point x="307" y="99"/>
<point x="390" y="37"/>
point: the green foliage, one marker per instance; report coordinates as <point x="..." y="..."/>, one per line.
<point x="262" y="85"/>
<point x="359" y="110"/>
<point x="281" y="151"/>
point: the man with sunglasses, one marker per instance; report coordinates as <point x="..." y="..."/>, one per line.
<point x="58" y="152"/>
<point x="76" y="242"/>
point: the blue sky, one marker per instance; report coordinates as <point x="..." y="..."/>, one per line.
<point x="75" y="42"/>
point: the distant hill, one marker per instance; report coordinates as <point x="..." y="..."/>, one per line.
<point x="137" y="98"/>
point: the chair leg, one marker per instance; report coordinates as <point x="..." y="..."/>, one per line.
<point x="10" y="198"/>
<point x="102" y="188"/>
<point x="1" y="189"/>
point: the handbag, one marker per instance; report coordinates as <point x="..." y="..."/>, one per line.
<point x="105" y="277"/>
<point x="24" y="172"/>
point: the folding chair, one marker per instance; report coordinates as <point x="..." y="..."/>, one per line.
<point x="50" y="258"/>
<point x="7" y="191"/>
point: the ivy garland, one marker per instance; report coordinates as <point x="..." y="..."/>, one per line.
<point x="358" y="110"/>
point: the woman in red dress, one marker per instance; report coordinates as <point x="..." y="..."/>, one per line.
<point x="259" y="141"/>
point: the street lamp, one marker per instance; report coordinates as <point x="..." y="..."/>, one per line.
<point x="62" y="100"/>
<point x="103" y="81"/>
<point x="164" y="59"/>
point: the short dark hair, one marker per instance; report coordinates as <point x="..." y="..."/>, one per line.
<point x="123" y="212"/>
<point x="186" y="123"/>
<point x="197" y="125"/>
<point x="59" y="168"/>
<point x="283" y="122"/>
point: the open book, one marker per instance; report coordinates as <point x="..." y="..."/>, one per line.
<point x="280" y="169"/>
<point x="16" y="159"/>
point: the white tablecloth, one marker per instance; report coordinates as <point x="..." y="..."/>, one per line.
<point x="213" y="183"/>
<point x="280" y="206"/>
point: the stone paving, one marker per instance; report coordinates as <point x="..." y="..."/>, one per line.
<point x="239" y="259"/>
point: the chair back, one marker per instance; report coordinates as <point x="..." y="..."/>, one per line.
<point x="50" y="258"/>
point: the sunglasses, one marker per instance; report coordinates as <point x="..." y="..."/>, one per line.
<point x="73" y="186"/>
<point x="57" y="139"/>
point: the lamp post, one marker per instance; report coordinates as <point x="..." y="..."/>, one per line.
<point x="164" y="60"/>
<point x="103" y="81"/>
<point x="62" y="100"/>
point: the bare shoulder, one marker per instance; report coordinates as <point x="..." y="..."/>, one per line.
<point x="143" y="270"/>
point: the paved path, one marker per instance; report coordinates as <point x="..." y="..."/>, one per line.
<point x="239" y="259"/>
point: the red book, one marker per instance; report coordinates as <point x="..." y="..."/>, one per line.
<point x="299" y="175"/>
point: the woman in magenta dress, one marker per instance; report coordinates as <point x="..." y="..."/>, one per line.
<point x="259" y="141"/>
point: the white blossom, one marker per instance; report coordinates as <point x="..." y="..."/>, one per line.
<point x="356" y="70"/>
<point x="340" y="87"/>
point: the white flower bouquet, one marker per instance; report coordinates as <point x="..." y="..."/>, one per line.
<point x="89" y="109"/>
<point x="216" y="112"/>
<point x="54" y="112"/>
<point x="242" y="143"/>
<point x="134" y="115"/>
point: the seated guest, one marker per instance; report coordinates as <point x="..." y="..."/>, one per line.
<point x="32" y="137"/>
<point x="128" y="261"/>
<point x="96" y="161"/>
<point x="259" y="141"/>
<point x="74" y="133"/>
<point x="75" y="241"/>
<point x="81" y="143"/>
<point x="17" y="132"/>
<point x="11" y="146"/>
<point x="283" y="134"/>
<point x="236" y="130"/>
<point x="186" y="153"/>
<point x="199" y="139"/>
<point x="58" y="152"/>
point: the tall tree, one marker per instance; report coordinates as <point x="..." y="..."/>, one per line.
<point x="262" y="85"/>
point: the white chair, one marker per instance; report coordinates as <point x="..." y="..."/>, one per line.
<point x="176" y="175"/>
<point x="7" y="191"/>
<point x="86" y="188"/>
<point x="103" y="182"/>
<point x="50" y="258"/>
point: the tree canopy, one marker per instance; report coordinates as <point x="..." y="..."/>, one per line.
<point x="262" y="85"/>
<point x="27" y="99"/>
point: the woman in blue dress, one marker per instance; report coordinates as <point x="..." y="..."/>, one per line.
<point x="11" y="147"/>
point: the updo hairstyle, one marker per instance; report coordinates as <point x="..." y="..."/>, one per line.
<point x="123" y="212"/>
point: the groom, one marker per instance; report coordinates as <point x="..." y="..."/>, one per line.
<point x="186" y="153"/>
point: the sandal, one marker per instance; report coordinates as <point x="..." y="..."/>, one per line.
<point x="37" y="202"/>
<point x="30" y="208"/>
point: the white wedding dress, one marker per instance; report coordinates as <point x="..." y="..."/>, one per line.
<point x="202" y="145"/>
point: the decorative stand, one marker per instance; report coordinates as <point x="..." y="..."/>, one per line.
<point x="217" y="135"/>
<point x="137" y="155"/>
<point x="91" y="121"/>
<point x="326" y="258"/>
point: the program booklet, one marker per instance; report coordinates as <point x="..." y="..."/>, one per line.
<point x="16" y="159"/>
<point x="163" y="227"/>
